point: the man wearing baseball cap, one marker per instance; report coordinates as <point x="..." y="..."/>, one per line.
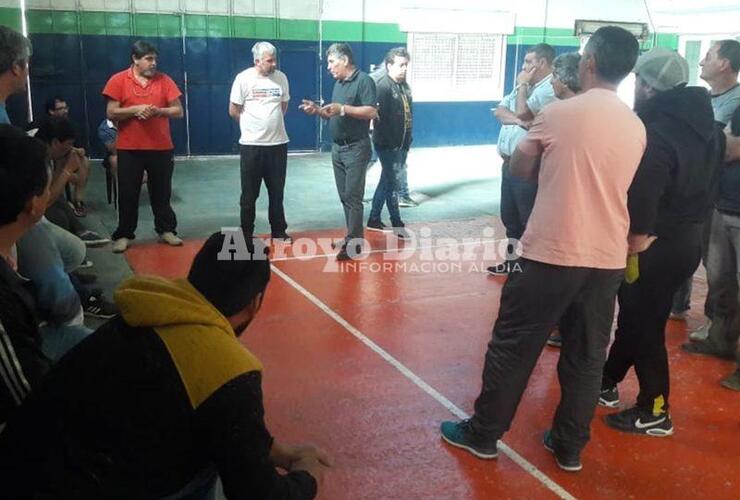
<point x="668" y="201"/>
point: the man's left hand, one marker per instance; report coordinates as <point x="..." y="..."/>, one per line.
<point x="332" y="109"/>
<point x="638" y="243"/>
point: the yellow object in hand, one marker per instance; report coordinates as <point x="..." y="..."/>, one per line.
<point x="633" y="268"/>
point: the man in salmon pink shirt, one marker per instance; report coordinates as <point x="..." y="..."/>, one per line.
<point x="583" y="153"/>
<point x="142" y="101"/>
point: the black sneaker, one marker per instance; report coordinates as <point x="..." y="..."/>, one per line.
<point x="555" y="339"/>
<point x="499" y="269"/>
<point x="570" y="462"/>
<point x="344" y="255"/>
<point x="282" y="238"/>
<point x="640" y="421"/>
<point x="92" y="239"/>
<point x="462" y="435"/>
<point x="97" y="307"/>
<point x="376" y="225"/>
<point x="609" y="397"/>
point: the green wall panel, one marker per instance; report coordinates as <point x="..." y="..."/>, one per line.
<point x="219" y="27"/>
<point x="146" y="25"/>
<point x="93" y="23"/>
<point x="298" y="29"/>
<point x="196" y="25"/>
<point x="243" y="27"/>
<point x="170" y="25"/>
<point x="118" y="23"/>
<point x="265" y="28"/>
<point x="384" y="32"/>
<point x="10" y="17"/>
<point x="339" y="31"/>
<point x="39" y="21"/>
<point x="524" y="35"/>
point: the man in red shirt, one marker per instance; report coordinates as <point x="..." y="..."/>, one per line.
<point x="142" y="101"/>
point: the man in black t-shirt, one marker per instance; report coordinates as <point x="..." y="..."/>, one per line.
<point x="353" y="106"/>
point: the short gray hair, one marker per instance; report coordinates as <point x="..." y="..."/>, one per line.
<point x="14" y="49"/>
<point x="262" y="47"/>
<point x="565" y="68"/>
<point x="340" y="50"/>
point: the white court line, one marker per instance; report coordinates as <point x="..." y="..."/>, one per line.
<point x="506" y="450"/>
<point x="385" y="250"/>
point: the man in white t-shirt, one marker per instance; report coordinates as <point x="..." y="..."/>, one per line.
<point x="259" y="99"/>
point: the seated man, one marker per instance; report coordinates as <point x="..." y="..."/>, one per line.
<point x="57" y="107"/>
<point x="68" y="163"/>
<point x="24" y="193"/>
<point x="160" y="400"/>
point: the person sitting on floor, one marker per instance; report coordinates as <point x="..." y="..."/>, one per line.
<point x="161" y="400"/>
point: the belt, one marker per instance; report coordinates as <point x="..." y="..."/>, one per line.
<point x="346" y="142"/>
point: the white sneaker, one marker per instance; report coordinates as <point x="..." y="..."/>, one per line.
<point x="701" y="333"/>
<point x="170" y="239"/>
<point x="120" y="245"/>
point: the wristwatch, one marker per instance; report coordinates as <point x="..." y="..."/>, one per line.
<point x="341" y="110"/>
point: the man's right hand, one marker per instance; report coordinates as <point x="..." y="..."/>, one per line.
<point x="309" y="107"/>
<point x="145" y="111"/>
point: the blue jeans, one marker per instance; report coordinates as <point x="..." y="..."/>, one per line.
<point x="391" y="161"/>
<point x="57" y="340"/>
<point x="402" y="179"/>
<point x="71" y="248"/>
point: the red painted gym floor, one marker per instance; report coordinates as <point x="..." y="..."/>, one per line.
<point x="347" y="353"/>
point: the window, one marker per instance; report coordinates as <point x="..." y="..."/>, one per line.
<point x="456" y="66"/>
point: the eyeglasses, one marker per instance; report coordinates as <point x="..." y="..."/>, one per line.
<point x="63" y="108"/>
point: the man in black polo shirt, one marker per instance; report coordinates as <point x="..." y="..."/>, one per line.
<point x="352" y="108"/>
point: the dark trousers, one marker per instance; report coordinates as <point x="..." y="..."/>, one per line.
<point x="268" y="163"/>
<point x="159" y="166"/>
<point x="644" y="307"/>
<point x="682" y="297"/>
<point x="61" y="214"/>
<point x="532" y="303"/>
<point x="517" y="201"/>
<point x="350" y="166"/>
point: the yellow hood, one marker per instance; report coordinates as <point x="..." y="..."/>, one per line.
<point x="199" y="338"/>
<point x="154" y="302"/>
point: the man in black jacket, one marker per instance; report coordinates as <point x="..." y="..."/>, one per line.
<point x="24" y="194"/>
<point x="392" y="138"/>
<point x="159" y="401"/>
<point x="668" y="200"/>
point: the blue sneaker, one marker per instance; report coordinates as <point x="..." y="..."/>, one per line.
<point x="462" y="435"/>
<point x="570" y="462"/>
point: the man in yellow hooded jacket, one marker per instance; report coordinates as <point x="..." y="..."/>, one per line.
<point x="160" y="401"/>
